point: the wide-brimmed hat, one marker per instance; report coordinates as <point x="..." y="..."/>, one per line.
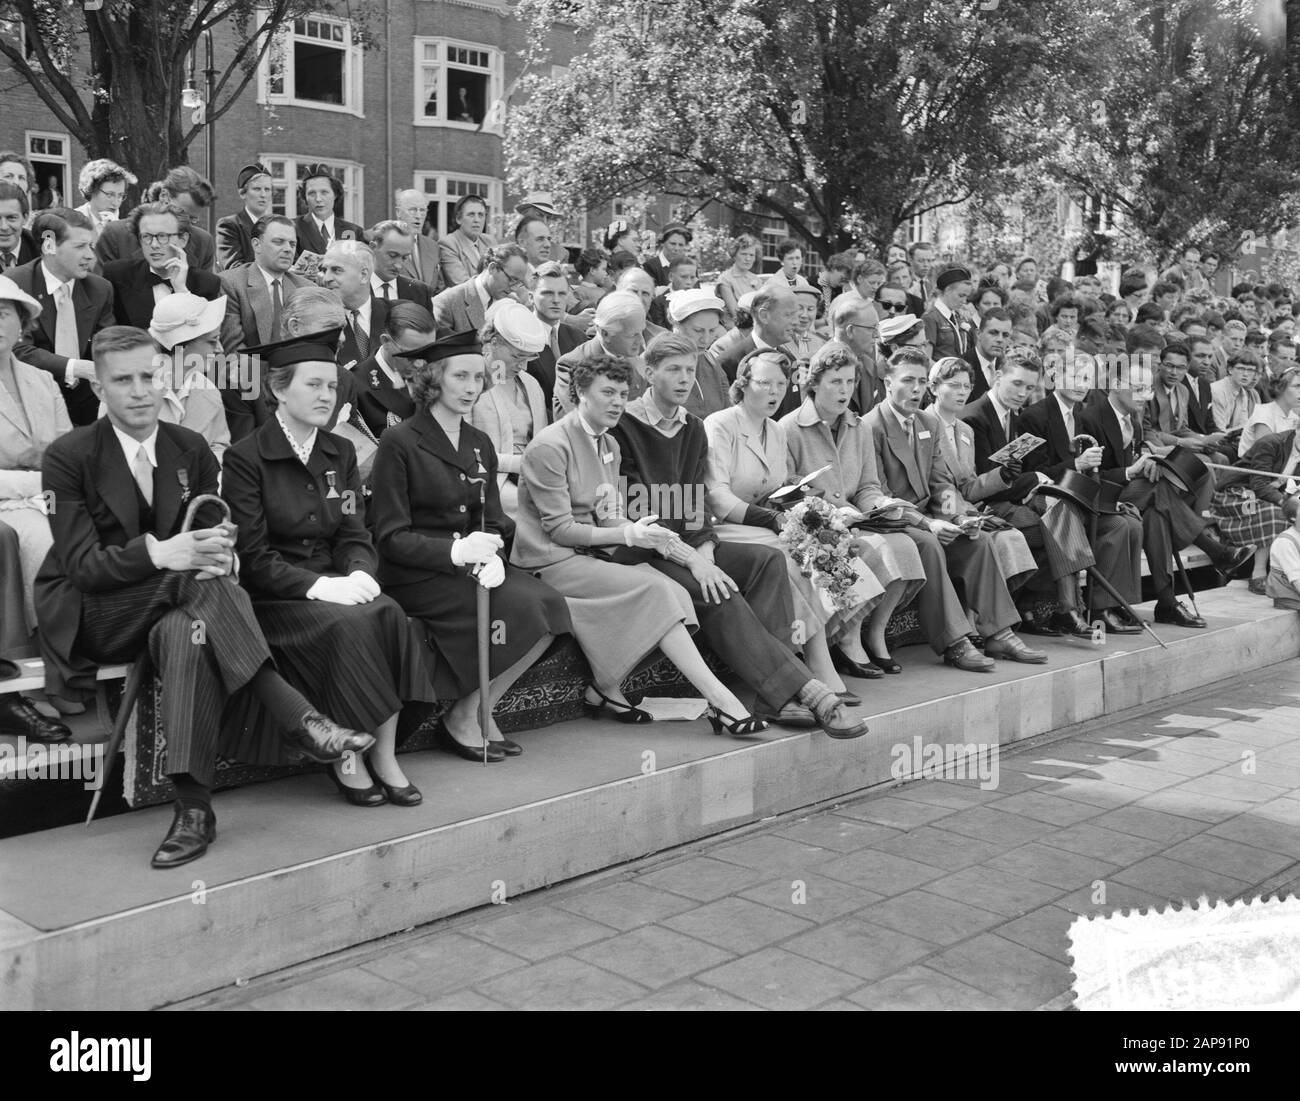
<point x="682" y="304"/>
<point x="539" y="200"/>
<point x="180" y="318"/>
<point x="12" y="292"/>
<point x="893" y="327"/>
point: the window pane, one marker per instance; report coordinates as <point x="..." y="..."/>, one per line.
<point x="430" y="93"/>
<point x="318" y="73"/>
<point x="466" y="96"/>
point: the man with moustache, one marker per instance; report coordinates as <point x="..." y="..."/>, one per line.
<point x="946" y="328"/>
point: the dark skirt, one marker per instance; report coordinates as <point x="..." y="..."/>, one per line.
<point x="355" y="663"/>
<point x="523" y="610"/>
<point x="1244" y="520"/>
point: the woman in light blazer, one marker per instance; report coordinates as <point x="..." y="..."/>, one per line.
<point x="825" y="432"/>
<point x="950" y="387"/>
<point x="513" y="409"/>
<point x="574" y="534"/>
<point x="462" y="254"/>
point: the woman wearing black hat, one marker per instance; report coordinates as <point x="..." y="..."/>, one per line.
<point x="440" y="531"/>
<point x="307" y="561"/>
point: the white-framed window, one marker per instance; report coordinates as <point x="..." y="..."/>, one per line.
<point x="445" y="191"/>
<point x="919" y="228"/>
<point x="770" y="237"/>
<point x="49" y="154"/>
<point x="459" y="84"/>
<point x="287" y="172"/>
<point x="313" y="63"/>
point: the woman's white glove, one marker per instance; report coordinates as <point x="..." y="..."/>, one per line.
<point x="365" y="584"/>
<point x="476" y="547"/>
<point x="337" y="590"/>
<point x="491" y="573"/>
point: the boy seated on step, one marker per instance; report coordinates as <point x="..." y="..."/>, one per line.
<point x="1283" y="583"/>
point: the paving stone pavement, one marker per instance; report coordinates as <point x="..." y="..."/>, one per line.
<point x="937" y="894"/>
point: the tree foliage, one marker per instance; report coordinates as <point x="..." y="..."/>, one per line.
<point x="114" y="77"/>
<point x="843" y="117"/>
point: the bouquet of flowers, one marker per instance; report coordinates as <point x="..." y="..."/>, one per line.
<point x="820" y="542"/>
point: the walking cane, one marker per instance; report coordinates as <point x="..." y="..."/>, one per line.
<point x="482" y="616"/>
<point x="1182" y="572"/>
<point x="135" y="677"/>
<point x="1100" y="579"/>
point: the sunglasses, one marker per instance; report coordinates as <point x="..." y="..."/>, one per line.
<point x="892" y="307"/>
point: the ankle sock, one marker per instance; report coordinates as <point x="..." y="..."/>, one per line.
<point x="189" y="792"/>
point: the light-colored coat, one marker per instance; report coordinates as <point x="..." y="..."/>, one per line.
<point x="961" y="464"/>
<point x="248" y="319"/>
<point x="566" y="490"/>
<point x="424" y="265"/>
<point x="459" y="309"/>
<point x="460" y="258"/>
<point x="492" y="413"/>
<point x="744" y="466"/>
<point x="853" y="478"/>
<point x="921" y="477"/>
<point x="25" y="436"/>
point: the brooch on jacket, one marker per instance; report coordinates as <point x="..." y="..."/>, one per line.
<point x="374" y="378"/>
<point x="183" y="476"/>
<point x="329" y="480"/>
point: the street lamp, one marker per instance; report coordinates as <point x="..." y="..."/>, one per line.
<point x="200" y="109"/>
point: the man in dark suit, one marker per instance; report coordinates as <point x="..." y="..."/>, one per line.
<point x="987" y="349"/>
<point x="550" y="298"/>
<point x="320" y="192"/>
<point x="121" y="576"/>
<point x="162" y="230"/>
<point x="775" y="311"/>
<point x="913" y="471"/>
<point x="235" y="231"/>
<point x="949" y="332"/>
<point x="1116" y="537"/>
<point x="75" y="305"/>
<point x="346" y="269"/>
<point x="382" y="396"/>
<point x="256" y="293"/>
<point x="1167" y="418"/>
<point x="1057" y="536"/>
<point x="16" y="244"/>
<point x="1170" y="519"/>
<point x="188" y="190"/>
<point x="392" y="242"/>
<point x="1200" y="376"/>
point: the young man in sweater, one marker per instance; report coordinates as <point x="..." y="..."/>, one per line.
<point x="741" y="592"/>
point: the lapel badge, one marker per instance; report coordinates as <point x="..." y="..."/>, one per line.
<point x="183" y="476"/>
<point x="374" y="379"/>
<point x="479" y="460"/>
<point x="329" y="479"/>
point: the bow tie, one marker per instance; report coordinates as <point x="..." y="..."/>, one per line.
<point x="159" y="280"/>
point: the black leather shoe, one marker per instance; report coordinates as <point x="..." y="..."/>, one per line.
<point x="322" y="740"/>
<point x="193" y="830"/>
<point x="1117" y="626"/>
<point x="1178" y="616"/>
<point x="19" y="717"/>
<point x="1069" y="622"/>
<point x="470" y="753"/>
<point x="849" y="667"/>
<point x="1237" y="562"/>
<point x="509" y="748"/>
<point x="1031" y="624"/>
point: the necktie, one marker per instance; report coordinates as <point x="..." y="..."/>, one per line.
<point x="66" y="341"/>
<point x="325" y="235"/>
<point x="1007" y="427"/>
<point x="1126" y="430"/>
<point x="9" y="259"/>
<point x="388" y="292"/>
<point x="555" y="341"/>
<point x="277" y="310"/>
<point x="1173" y="408"/>
<point x="360" y="335"/>
<point x="144" y="474"/>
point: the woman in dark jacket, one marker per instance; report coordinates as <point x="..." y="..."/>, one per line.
<point x="308" y="563"/>
<point x="440" y="531"/>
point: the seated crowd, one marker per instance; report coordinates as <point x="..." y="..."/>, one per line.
<point x="325" y="450"/>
